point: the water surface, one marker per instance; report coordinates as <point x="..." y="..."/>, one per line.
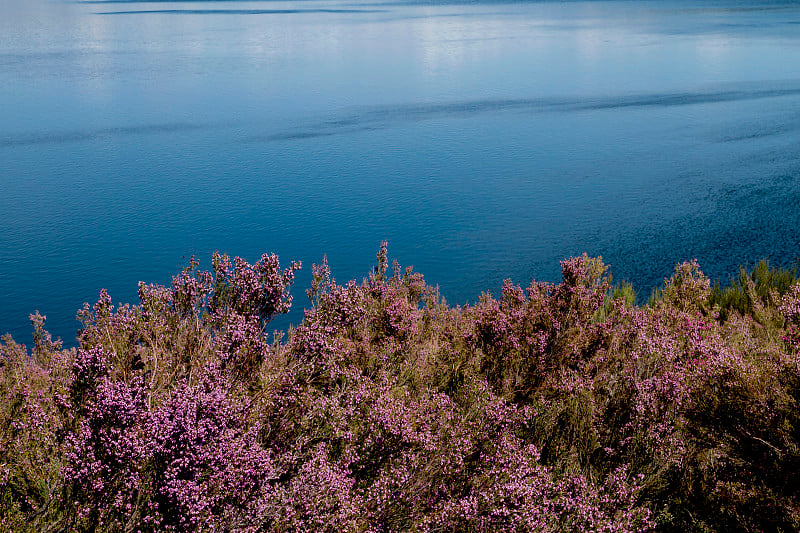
<point x="482" y="139"/>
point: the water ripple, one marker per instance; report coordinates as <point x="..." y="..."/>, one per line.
<point x="92" y="134"/>
<point x="381" y="117"/>
<point x="235" y="11"/>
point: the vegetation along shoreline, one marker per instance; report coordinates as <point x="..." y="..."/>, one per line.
<point x="551" y="407"/>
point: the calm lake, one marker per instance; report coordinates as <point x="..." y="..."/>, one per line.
<point x="482" y="139"/>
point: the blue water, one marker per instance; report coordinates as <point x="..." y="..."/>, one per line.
<point x="482" y="139"/>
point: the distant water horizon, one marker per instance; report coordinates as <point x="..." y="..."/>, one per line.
<point x="482" y="139"/>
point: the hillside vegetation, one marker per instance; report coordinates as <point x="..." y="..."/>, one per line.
<point x="556" y="407"/>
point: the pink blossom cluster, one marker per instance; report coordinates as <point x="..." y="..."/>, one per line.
<point x="551" y="409"/>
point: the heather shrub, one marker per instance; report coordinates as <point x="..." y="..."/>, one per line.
<point x="790" y="310"/>
<point x="687" y="289"/>
<point x="745" y="433"/>
<point x="526" y="340"/>
<point x="560" y="407"/>
<point x="34" y="409"/>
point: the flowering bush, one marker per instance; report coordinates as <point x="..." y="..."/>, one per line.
<point x="556" y="408"/>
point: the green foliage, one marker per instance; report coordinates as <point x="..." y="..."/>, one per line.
<point x="747" y="290"/>
<point x="621" y="293"/>
<point x="625" y="291"/>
